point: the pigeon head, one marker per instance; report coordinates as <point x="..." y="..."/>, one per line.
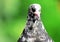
<point x="35" y="9"/>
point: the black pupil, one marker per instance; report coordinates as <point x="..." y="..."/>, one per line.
<point x="33" y="9"/>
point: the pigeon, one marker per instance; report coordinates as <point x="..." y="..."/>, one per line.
<point x="34" y="30"/>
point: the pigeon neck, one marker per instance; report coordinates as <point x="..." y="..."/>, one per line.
<point x="33" y="18"/>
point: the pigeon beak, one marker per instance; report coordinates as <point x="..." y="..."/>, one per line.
<point x="36" y="14"/>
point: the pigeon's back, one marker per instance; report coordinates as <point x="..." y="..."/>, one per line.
<point x="42" y="35"/>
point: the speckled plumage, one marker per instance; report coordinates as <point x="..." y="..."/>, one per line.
<point x="34" y="30"/>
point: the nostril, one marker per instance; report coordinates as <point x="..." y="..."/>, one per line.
<point x="33" y="9"/>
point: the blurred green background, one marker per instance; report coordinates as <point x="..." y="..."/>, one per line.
<point x="13" y="15"/>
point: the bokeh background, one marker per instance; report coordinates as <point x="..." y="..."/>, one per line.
<point x="13" y="15"/>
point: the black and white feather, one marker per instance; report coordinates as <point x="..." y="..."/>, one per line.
<point x="34" y="30"/>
